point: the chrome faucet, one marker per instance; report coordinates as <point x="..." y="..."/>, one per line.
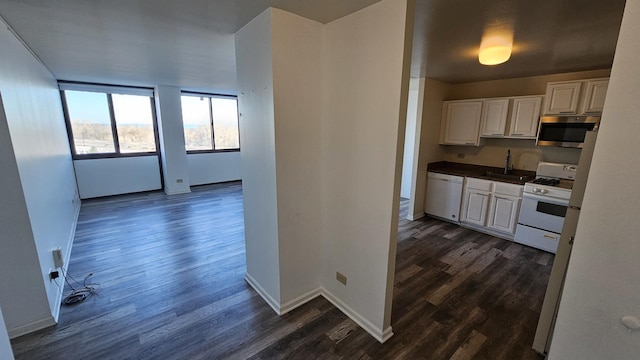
<point x="507" y="167"/>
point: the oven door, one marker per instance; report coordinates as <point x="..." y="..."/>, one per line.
<point x="543" y="212"/>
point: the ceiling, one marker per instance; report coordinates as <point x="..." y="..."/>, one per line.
<point x="186" y="43"/>
<point x="190" y="43"/>
<point x="549" y="36"/>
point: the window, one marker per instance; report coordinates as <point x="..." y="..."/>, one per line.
<point x="108" y="121"/>
<point x="210" y="123"/>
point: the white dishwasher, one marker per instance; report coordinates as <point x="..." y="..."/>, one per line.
<point x="444" y="195"/>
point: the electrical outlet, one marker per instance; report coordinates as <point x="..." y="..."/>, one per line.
<point x="179" y="181"/>
<point x="341" y="278"/>
<point x="53" y="274"/>
<point x="57" y="258"/>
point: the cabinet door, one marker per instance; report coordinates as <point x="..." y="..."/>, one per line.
<point x="562" y="98"/>
<point x="494" y="117"/>
<point x="595" y="96"/>
<point x="504" y="213"/>
<point x="461" y="123"/>
<point x="525" y="117"/>
<point x="475" y="207"/>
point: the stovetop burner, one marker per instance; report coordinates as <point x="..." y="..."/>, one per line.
<point x="546" y="181"/>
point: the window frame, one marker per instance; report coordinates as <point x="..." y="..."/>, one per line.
<point x="108" y="90"/>
<point x="213" y="134"/>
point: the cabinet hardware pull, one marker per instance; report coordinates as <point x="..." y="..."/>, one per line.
<point x="549" y="237"/>
<point x="516" y="134"/>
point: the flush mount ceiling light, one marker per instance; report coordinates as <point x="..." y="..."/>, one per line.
<point x="494" y="50"/>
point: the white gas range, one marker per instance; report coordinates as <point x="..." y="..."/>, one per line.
<point x="544" y="205"/>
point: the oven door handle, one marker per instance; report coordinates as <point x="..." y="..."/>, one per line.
<point x="546" y="199"/>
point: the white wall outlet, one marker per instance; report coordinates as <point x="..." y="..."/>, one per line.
<point x="57" y="258"/>
<point x="341" y="278"/>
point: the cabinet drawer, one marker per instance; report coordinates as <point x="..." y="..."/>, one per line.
<point x="479" y="184"/>
<point x="508" y="189"/>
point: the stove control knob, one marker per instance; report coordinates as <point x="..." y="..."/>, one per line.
<point x="542" y="191"/>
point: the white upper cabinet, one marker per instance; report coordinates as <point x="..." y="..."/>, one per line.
<point x="494" y="117"/>
<point x="594" y="96"/>
<point x="562" y="98"/>
<point x="525" y="116"/>
<point x="461" y="122"/>
<point x="580" y="97"/>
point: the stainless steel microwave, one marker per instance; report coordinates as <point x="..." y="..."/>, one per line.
<point x="565" y="131"/>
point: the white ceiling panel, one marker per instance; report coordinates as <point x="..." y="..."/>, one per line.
<point x="190" y="43"/>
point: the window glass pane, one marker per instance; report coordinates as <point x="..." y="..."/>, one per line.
<point x="197" y="123"/>
<point x="225" y="123"/>
<point x="90" y="122"/>
<point x="134" y="122"/>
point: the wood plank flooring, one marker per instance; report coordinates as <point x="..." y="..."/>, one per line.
<point x="171" y="274"/>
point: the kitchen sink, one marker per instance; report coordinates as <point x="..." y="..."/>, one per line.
<point x="513" y="177"/>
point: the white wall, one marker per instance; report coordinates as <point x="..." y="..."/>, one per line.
<point x="410" y="135"/>
<point x="171" y="131"/>
<point x="603" y="277"/>
<point x="105" y="177"/>
<point x="20" y="256"/>
<point x="322" y="164"/>
<point x="365" y="97"/>
<point x="428" y="132"/>
<point x="297" y="78"/>
<point x="6" y="353"/>
<point x="209" y="168"/>
<point x="257" y="136"/>
<point x="39" y="209"/>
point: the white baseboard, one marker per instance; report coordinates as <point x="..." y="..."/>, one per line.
<point x="378" y="333"/>
<point x="275" y="305"/>
<point x="414" y="217"/>
<point x="176" y="192"/>
<point x="31" y="327"/>
<point x="299" y="301"/>
<point x="56" y="307"/>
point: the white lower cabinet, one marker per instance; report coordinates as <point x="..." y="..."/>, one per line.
<point x="475" y="210"/>
<point x="491" y="205"/>
<point x="475" y="205"/>
<point x="504" y="213"/>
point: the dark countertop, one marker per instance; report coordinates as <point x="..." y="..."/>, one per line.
<point x="514" y="176"/>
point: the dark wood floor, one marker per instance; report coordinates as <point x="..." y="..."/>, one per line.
<point x="171" y="274"/>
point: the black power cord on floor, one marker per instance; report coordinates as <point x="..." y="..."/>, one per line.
<point x="81" y="293"/>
